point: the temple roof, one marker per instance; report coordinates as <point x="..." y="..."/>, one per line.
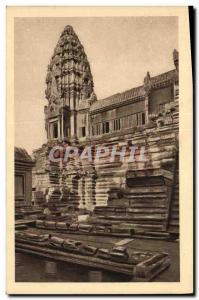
<point x="22" y="155"/>
<point x="118" y="98"/>
<point x="170" y="75"/>
<point x="132" y="93"/>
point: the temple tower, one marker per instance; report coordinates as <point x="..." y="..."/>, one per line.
<point x="69" y="83"/>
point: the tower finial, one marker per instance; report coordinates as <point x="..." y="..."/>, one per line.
<point x="175" y="58"/>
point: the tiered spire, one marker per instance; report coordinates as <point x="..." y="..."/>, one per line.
<point x="69" y="77"/>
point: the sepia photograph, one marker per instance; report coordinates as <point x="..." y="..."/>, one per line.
<point x="96" y="149"/>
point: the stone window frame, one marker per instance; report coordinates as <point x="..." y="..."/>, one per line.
<point x="105" y="127"/>
<point x="22" y="196"/>
<point x="125" y="122"/>
<point x="51" y="135"/>
<point x="82" y="131"/>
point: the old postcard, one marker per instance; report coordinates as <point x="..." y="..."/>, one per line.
<point x="99" y="144"/>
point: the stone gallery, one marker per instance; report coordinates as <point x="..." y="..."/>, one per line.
<point x="141" y="193"/>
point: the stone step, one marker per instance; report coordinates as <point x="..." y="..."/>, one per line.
<point x="133" y="223"/>
<point x="149" y="227"/>
<point x="137" y="218"/>
<point x="148" y="205"/>
<point x="145" y="190"/>
<point x="146" y="210"/>
<point x="141" y="199"/>
<point x="140" y="196"/>
<point x="150" y="202"/>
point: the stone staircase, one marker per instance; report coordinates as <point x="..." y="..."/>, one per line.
<point x="173" y="225"/>
<point x="144" y="206"/>
<point x="147" y="206"/>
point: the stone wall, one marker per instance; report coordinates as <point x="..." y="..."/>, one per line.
<point x="144" y="187"/>
<point x="23" y="177"/>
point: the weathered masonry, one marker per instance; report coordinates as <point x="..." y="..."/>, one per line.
<point x="143" y="193"/>
<point x="23" y="178"/>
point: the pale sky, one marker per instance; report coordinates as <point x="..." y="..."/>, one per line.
<point x="120" y="52"/>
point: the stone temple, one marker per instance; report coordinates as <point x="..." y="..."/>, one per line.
<point x="143" y="193"/>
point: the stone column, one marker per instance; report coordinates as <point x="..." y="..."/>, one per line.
<point x="62" y="124"/>
<point x="81" y="192"/>
<point x="58" y="127"/>
<point x="146" y="108"/>
<point x="90" y="192"/>
<point x="48" y="131"/>
<point x="147" y="88"/>
<point x="176" y="91"/>
<point x="73" y="114"/>
<point x="72" y="125"/>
